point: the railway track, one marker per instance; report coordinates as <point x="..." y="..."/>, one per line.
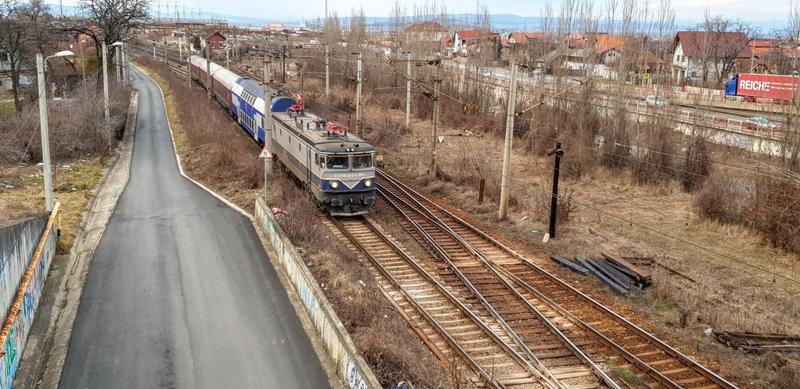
<point x="451" y="319"/>
<point x="532" y="328"/>
<point x="601" y="332"/>
<point x="438" y="315"/>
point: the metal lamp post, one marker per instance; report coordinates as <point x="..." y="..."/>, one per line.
<point x="48" y="173"/>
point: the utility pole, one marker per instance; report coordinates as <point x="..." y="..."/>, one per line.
<point x="189" y="71"/>
<point x="124" y="62"/>
<point x="117" y="64"/>
<point x="105" y="80"/>
<point x="358" y="94"/>
<point x="327" y="61"/>
<point x="227" y="58"/>
<point x="558" y="152"/>
<point x="506" y="178"/>
<point x="180" y="51"/>
<point x="166" y="60"/>
<point x="408" y="90"/>
<point x="154" y="51"/>
<point x="283" y="65"/>
<point x="208" y="71"/>
<point x="83" y="61"/>
<point x="267" y="156"/>
<point x="48" y="174"/>
<point x="437" y="86"/>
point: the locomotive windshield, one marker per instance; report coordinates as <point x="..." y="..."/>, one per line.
<point x="362" y="161"/>
<point x="336" y="162"/>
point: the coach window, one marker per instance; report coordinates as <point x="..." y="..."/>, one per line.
<point x="362" y="161"/>
<point x="336" y="162"/>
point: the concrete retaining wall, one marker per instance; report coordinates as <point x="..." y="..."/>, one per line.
<point x="17" y="243"/>
<point x="27" y="268"/>
<point x="349" y="364"/>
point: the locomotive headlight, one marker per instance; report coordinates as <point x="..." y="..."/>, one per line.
<point x="335" y="184"/>
<point x="368" y="183"/>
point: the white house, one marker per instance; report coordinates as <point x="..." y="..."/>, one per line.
<point x="718" y="50"/>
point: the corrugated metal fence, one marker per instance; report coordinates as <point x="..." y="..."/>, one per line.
<point x="28" y="249"/>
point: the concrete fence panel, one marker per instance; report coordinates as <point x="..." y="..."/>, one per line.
<point x="17" y="243"/>
<point x="350" y="366"/>
<point x="28" y="291"/>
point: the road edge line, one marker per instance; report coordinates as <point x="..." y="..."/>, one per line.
<point x="178" y="157"/>
<point x="51" y="358"/>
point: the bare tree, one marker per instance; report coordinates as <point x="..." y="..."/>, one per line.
<point x="794" y="28"/>
<point x="23" y="32"/>
<point x="357" y="31"/>
<point x="721" y="44"/>
<point x="611" y="15"/>
<point x="109" y="20"/>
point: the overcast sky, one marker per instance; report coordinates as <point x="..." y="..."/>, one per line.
<point x="686" y="10"/>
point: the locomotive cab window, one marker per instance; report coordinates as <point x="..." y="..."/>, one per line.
<point x="362" y="161"/>
<point x="336" y="162"/>
<point x="316" y="159"/>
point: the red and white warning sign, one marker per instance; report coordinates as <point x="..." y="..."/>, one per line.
<point x="265" y="154"/>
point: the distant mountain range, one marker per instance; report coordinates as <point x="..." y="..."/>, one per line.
<point x="500" y="22"/>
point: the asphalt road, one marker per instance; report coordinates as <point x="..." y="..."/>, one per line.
<point x="180" y="292"/>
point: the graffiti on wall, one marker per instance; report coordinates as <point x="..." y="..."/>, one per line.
<point x="354" y="379"/>
<point x="18" y="334"/>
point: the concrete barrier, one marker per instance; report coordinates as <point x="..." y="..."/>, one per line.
<point x="23" y="305"/>
<point x="349" y="364"/>
<point x="17" y="243"/>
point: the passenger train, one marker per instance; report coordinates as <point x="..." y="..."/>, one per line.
<point x="335" y="166"/>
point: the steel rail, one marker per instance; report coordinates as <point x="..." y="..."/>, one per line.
<point x="596" y="370"/>
<point x="540" y="369"/>
<point x="648" y="337"/>
<point x="437" y="327"/>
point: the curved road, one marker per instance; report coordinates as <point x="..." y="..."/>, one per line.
<point x="180" y="292"/>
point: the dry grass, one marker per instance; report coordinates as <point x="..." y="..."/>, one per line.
<point x="22" y="194"/>
<point x="215" y="152"/>
<point x="726" y="294"/>
<point x="354" y="294"/>
<point x="80" y="143"/>
<point x="212" y="146"/>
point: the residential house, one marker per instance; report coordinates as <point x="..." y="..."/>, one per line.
<point x="275" y="27"/>
<point x="426" y="31"/>
<point x="706" y="56"/>
<point x="425" y="37"/>
<point x="216" y="41"/>
<point x="469" y="41"/>
<point x="599" y="55"/>
<point x="767" y="56"/>
<point x="521" y="39"/>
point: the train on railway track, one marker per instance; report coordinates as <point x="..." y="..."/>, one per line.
<point x="335" y="166"/>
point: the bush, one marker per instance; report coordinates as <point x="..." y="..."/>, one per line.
<point x="696" y="164"/>
<point x="653" y="164"/>
<point x="775" y="212"/>
<point x="77" y="130"/>
<point x="723" y="199"/>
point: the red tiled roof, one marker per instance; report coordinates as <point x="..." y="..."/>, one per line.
<point x="473" y="35"/>
<point x="522" y="37"/>
<point x="426" y="27"/>
<point x="216" y="34"/>
<point x="692" y="41"/>
<point x="469" y="34"/>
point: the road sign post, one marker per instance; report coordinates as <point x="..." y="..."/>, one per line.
<point x="267" y="157"/>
